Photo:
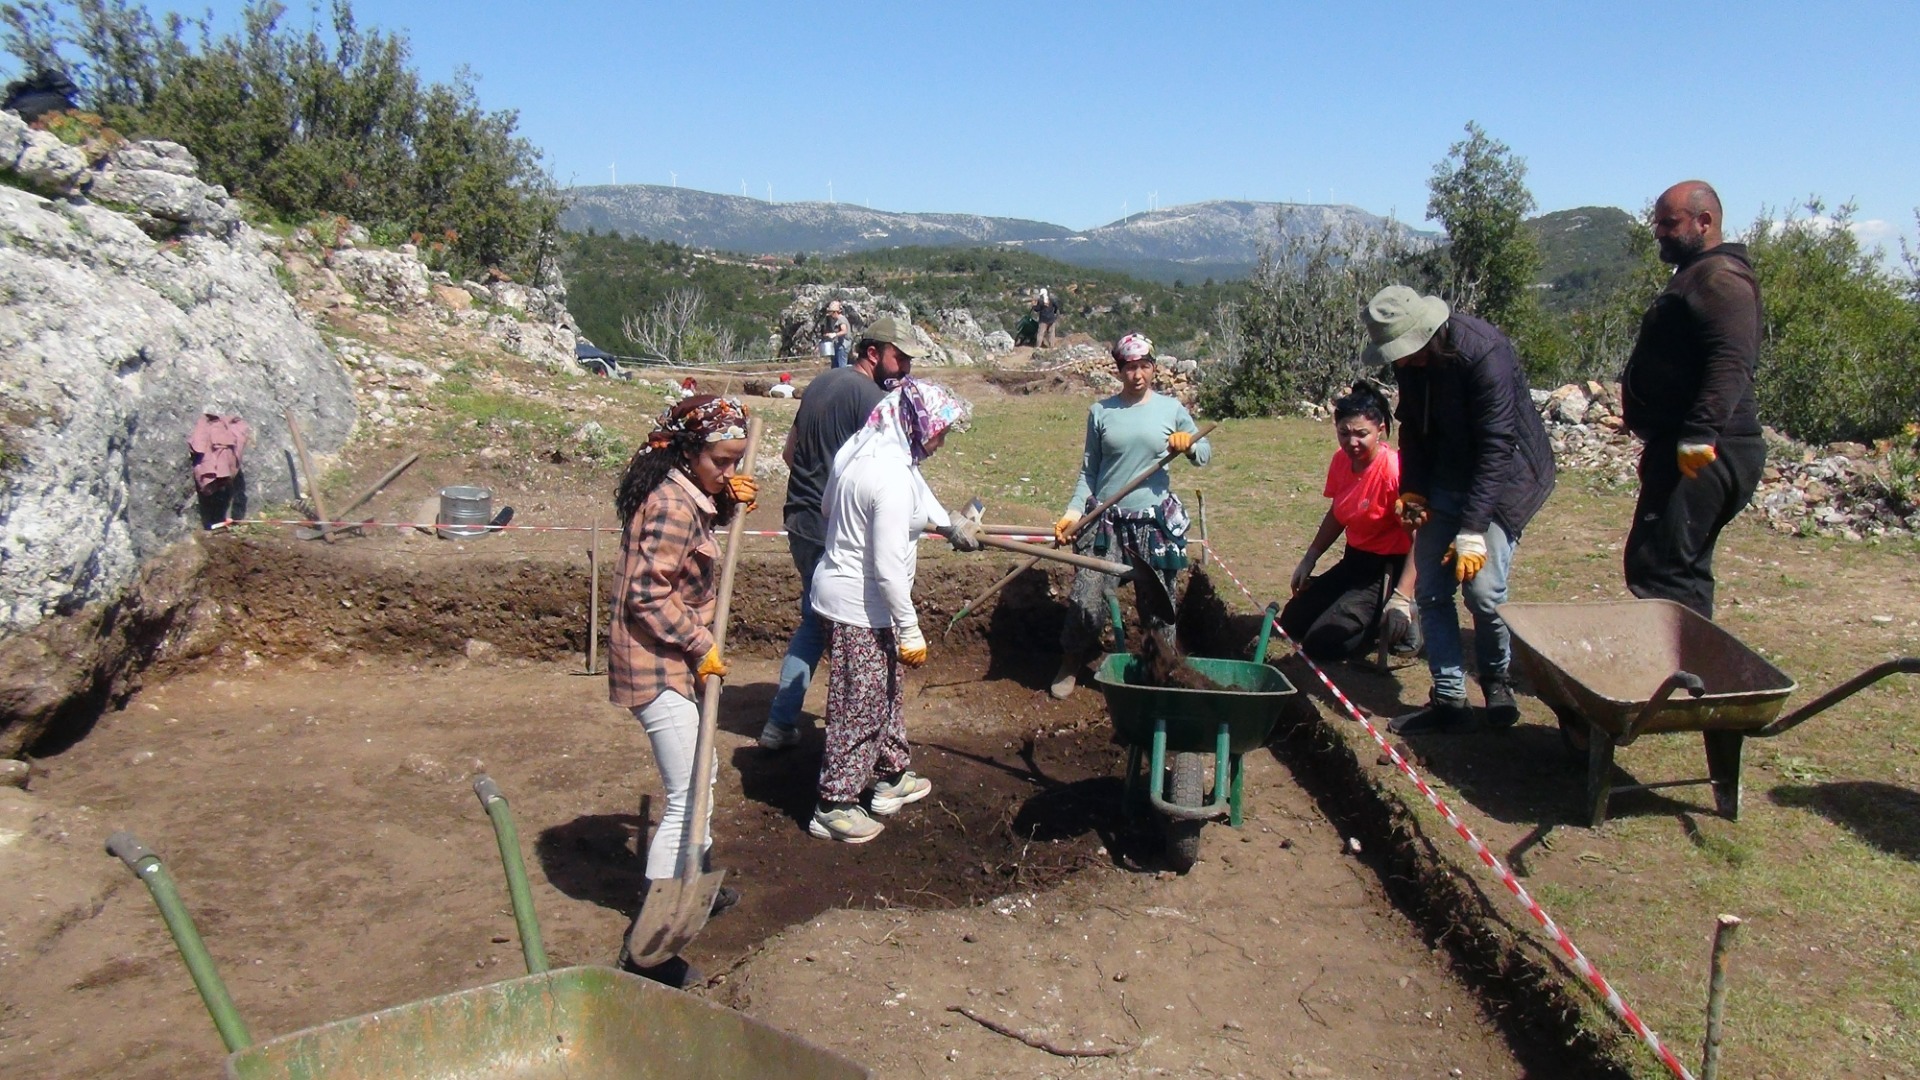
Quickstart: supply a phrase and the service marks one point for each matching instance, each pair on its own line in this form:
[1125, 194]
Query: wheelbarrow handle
[1906, 665]
[1679, 680]
[507, 838]
[206, 977]
[1267, 620]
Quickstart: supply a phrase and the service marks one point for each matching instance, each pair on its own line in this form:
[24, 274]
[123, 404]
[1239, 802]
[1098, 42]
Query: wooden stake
[593, 602]
[312, 477]
[1717, 995]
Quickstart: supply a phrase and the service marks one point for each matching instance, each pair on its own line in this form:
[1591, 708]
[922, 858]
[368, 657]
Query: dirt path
[320, 825]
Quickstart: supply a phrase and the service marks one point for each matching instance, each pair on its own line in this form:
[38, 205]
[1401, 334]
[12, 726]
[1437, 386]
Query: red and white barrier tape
[1578, 959]
[429, 526]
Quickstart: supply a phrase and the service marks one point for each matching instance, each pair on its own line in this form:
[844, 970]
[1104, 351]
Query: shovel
[676, 908]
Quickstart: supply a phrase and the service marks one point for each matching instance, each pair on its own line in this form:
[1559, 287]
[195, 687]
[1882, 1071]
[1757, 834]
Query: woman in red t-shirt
[1341, 613]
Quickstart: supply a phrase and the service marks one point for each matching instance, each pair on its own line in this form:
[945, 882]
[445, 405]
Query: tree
[1491, 259]
[1840, 332]
[1297, 336]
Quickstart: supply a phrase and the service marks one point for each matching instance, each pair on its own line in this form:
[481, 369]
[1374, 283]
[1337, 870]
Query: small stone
[14, 773]
[500, 939]
[140, 757]
[1119, 976]
[1883, 620]
[1353, 845]
[1286, 843]
[969, 938]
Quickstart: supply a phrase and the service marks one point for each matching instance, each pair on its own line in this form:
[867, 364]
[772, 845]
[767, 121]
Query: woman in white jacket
[876, 506]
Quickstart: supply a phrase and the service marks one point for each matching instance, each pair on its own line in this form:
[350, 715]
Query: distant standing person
[1126, 434]
[1475, 466]
[1688, 393]
[837, 335]
[1046, 311]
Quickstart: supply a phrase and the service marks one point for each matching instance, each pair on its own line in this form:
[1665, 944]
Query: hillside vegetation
[610, 277]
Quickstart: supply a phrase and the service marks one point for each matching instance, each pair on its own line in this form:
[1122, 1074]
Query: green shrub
[1838, 359]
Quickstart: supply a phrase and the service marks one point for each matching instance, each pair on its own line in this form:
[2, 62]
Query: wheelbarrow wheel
[1186, 788]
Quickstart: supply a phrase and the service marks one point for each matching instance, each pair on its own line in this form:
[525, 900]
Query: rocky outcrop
[799, 333]
[136, 299]
[1843, 490]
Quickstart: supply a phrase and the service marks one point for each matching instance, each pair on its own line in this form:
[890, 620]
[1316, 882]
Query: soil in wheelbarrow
[319, 821]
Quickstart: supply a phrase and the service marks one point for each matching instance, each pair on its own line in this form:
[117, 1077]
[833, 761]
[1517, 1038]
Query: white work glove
[964, 535]
[1304, 571]
[912, 645]
[1396, 622]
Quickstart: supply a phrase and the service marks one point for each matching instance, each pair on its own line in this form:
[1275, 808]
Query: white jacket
[876, 507]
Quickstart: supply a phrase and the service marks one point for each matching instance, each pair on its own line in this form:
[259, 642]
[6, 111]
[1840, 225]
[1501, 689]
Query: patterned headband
[702, 418]
[1133, 347]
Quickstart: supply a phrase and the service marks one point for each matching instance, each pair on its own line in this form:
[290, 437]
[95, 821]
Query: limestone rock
[453, 298]
[111, 345]
[392, 279]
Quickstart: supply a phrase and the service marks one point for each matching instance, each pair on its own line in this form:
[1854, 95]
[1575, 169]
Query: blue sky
[1075, 113]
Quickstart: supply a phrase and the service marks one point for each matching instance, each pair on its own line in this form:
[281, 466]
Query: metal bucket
[464, 511]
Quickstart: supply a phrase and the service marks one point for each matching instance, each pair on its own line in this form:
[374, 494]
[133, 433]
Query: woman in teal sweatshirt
[1126, 434]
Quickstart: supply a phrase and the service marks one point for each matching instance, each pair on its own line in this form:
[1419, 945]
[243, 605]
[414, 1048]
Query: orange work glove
[744, 490]
[1695, 456]
[710, 664]
[1063, 531]
[1468, 554]
[1180, 442]
[1412, 510]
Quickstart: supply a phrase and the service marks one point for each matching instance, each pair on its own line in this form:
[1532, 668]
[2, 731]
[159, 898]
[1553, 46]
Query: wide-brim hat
[1400, 322]
[896, 332]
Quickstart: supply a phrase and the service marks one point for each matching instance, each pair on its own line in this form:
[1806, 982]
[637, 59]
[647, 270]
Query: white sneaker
[849, 826]
[1066, 678]
[889, 798]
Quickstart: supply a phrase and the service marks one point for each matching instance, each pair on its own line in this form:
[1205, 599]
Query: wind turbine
[743, 189]
[829, 193]
[614, 172]
[673, 178]
[1153, 199]
[769, 191]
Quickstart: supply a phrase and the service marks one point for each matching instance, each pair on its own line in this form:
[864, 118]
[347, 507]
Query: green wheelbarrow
[1171, 731]
[582, 1023]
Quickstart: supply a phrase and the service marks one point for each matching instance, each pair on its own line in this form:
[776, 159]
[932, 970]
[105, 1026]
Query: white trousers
[672, 724]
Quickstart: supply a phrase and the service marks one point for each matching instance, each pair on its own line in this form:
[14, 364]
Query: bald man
[1688, 393]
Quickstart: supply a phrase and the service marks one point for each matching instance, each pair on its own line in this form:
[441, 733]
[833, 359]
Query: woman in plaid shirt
[677, 489]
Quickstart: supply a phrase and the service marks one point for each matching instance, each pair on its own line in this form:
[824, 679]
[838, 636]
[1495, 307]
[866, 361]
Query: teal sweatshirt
[1123, 441]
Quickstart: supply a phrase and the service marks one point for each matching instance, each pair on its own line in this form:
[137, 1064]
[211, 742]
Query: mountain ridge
[1216, 238]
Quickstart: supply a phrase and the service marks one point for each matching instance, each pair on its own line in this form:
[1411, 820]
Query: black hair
[1367, 399]
[649, 467]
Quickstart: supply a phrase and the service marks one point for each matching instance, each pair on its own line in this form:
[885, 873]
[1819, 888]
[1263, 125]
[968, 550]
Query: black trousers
[1337, 614]
[1677, 521]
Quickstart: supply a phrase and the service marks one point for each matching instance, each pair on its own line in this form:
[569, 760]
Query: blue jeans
[1440, 621]
[809, 640]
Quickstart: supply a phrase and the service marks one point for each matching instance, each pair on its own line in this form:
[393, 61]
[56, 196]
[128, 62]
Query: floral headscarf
[1132, 347]
[905, 421]
[702, 418]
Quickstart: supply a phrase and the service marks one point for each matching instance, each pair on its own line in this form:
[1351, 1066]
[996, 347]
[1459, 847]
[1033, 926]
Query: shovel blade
[672, 915]
[1150, 596]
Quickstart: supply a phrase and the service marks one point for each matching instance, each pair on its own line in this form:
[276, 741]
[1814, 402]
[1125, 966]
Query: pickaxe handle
[1089, 518]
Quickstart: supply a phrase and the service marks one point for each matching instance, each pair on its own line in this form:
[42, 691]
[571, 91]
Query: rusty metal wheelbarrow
[583, 1023]
[1611, 672]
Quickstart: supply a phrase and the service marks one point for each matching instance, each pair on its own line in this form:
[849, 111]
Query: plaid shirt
[667, 595]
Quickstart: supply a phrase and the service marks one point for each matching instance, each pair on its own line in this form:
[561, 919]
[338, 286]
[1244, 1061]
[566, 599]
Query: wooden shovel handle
[702, 779]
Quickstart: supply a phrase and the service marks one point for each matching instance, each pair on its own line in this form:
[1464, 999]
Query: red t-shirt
[1363, 502]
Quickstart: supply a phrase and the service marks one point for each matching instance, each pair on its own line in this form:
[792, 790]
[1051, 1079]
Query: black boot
[1502, 710]
[1439, 716]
